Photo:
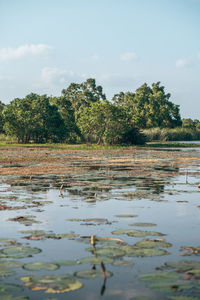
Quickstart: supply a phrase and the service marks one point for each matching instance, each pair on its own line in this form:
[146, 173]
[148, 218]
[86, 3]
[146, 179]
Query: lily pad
[183, 265]
[97, 220]
[10, 288]
[40, 234]
[149, 243]
[190, 251]
[34, 232]
[182, 298]
[95, 260]
[88, 274]
[7, 242]
[102, 240]
[133, 251]
[152, 277]
[66, 263]
[10, 297]
[110, 251]
[52, 283]
[140, 224]
[26, 220]
[18, 252]
[10, 264]
[36, 266]
[142, 298]
[124, 263]
[126, 216]
[137, 233]
[4, 272]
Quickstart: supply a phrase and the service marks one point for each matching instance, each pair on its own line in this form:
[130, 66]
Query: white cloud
[57, 76]
[24, 51]
[128, 56]
[183, 62]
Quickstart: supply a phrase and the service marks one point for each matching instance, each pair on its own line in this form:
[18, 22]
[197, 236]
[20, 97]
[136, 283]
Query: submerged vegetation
[83, 114]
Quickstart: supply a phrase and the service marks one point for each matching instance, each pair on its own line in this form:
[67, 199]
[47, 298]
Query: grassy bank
[8, 142]
[175, 134]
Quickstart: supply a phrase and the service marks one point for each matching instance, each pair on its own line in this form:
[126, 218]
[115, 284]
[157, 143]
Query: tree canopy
[83, 94]
[150, 107]
[33, 118]
[105, 122]
[83, 113]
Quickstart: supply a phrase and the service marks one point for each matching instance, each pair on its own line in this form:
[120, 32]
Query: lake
[112, 224]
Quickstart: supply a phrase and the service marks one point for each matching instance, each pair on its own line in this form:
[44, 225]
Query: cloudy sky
[47, 44]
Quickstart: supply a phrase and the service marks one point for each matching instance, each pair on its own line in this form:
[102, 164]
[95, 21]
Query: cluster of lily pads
[178, 280]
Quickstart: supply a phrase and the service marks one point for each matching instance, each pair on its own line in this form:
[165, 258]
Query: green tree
[83, 94]
[105, 122]
[67, 114]
[2, 105]
[150, 107]
[189, 123]
[33, 118]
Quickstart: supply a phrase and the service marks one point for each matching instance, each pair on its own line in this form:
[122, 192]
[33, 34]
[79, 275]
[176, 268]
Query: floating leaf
[36, 266]
[4, 272]
[66, 263]
[126, 216]
[18, 252]
[182, 298]
[95, 260]
[87, 274]
[140, 224]
[142, 298]
[10, 288]
[10, 264]
[123, 263]
[110, 251]
[7, 242]
[149, 243]
[152, 277]
[10, 297]
[102, 240]
[134, 251]
[52, 284]
[97, 220]
[183, 265]
[191, 251]
[137, 233]
[26, 220]
[40, 234]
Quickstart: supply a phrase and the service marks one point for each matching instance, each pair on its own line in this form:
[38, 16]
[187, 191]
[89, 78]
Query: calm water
[171, 202]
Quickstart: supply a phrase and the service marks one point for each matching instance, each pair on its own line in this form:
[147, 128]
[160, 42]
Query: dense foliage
[104, 122]
[82, 113]
[34, 119]
[150, 107]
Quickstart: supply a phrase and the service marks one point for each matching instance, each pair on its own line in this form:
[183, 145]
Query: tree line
[83, 114]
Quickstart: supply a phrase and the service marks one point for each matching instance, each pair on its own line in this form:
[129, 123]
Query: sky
[47, 44]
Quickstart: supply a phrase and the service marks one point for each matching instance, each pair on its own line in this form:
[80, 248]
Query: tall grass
[175, 134]
[6, 139]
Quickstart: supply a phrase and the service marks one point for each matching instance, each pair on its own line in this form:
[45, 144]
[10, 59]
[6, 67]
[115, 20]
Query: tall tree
[67, 114]
[83, 94]
[150, 107]
[33, 118]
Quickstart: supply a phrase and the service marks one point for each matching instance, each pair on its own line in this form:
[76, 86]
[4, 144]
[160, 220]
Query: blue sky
[47, 44]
